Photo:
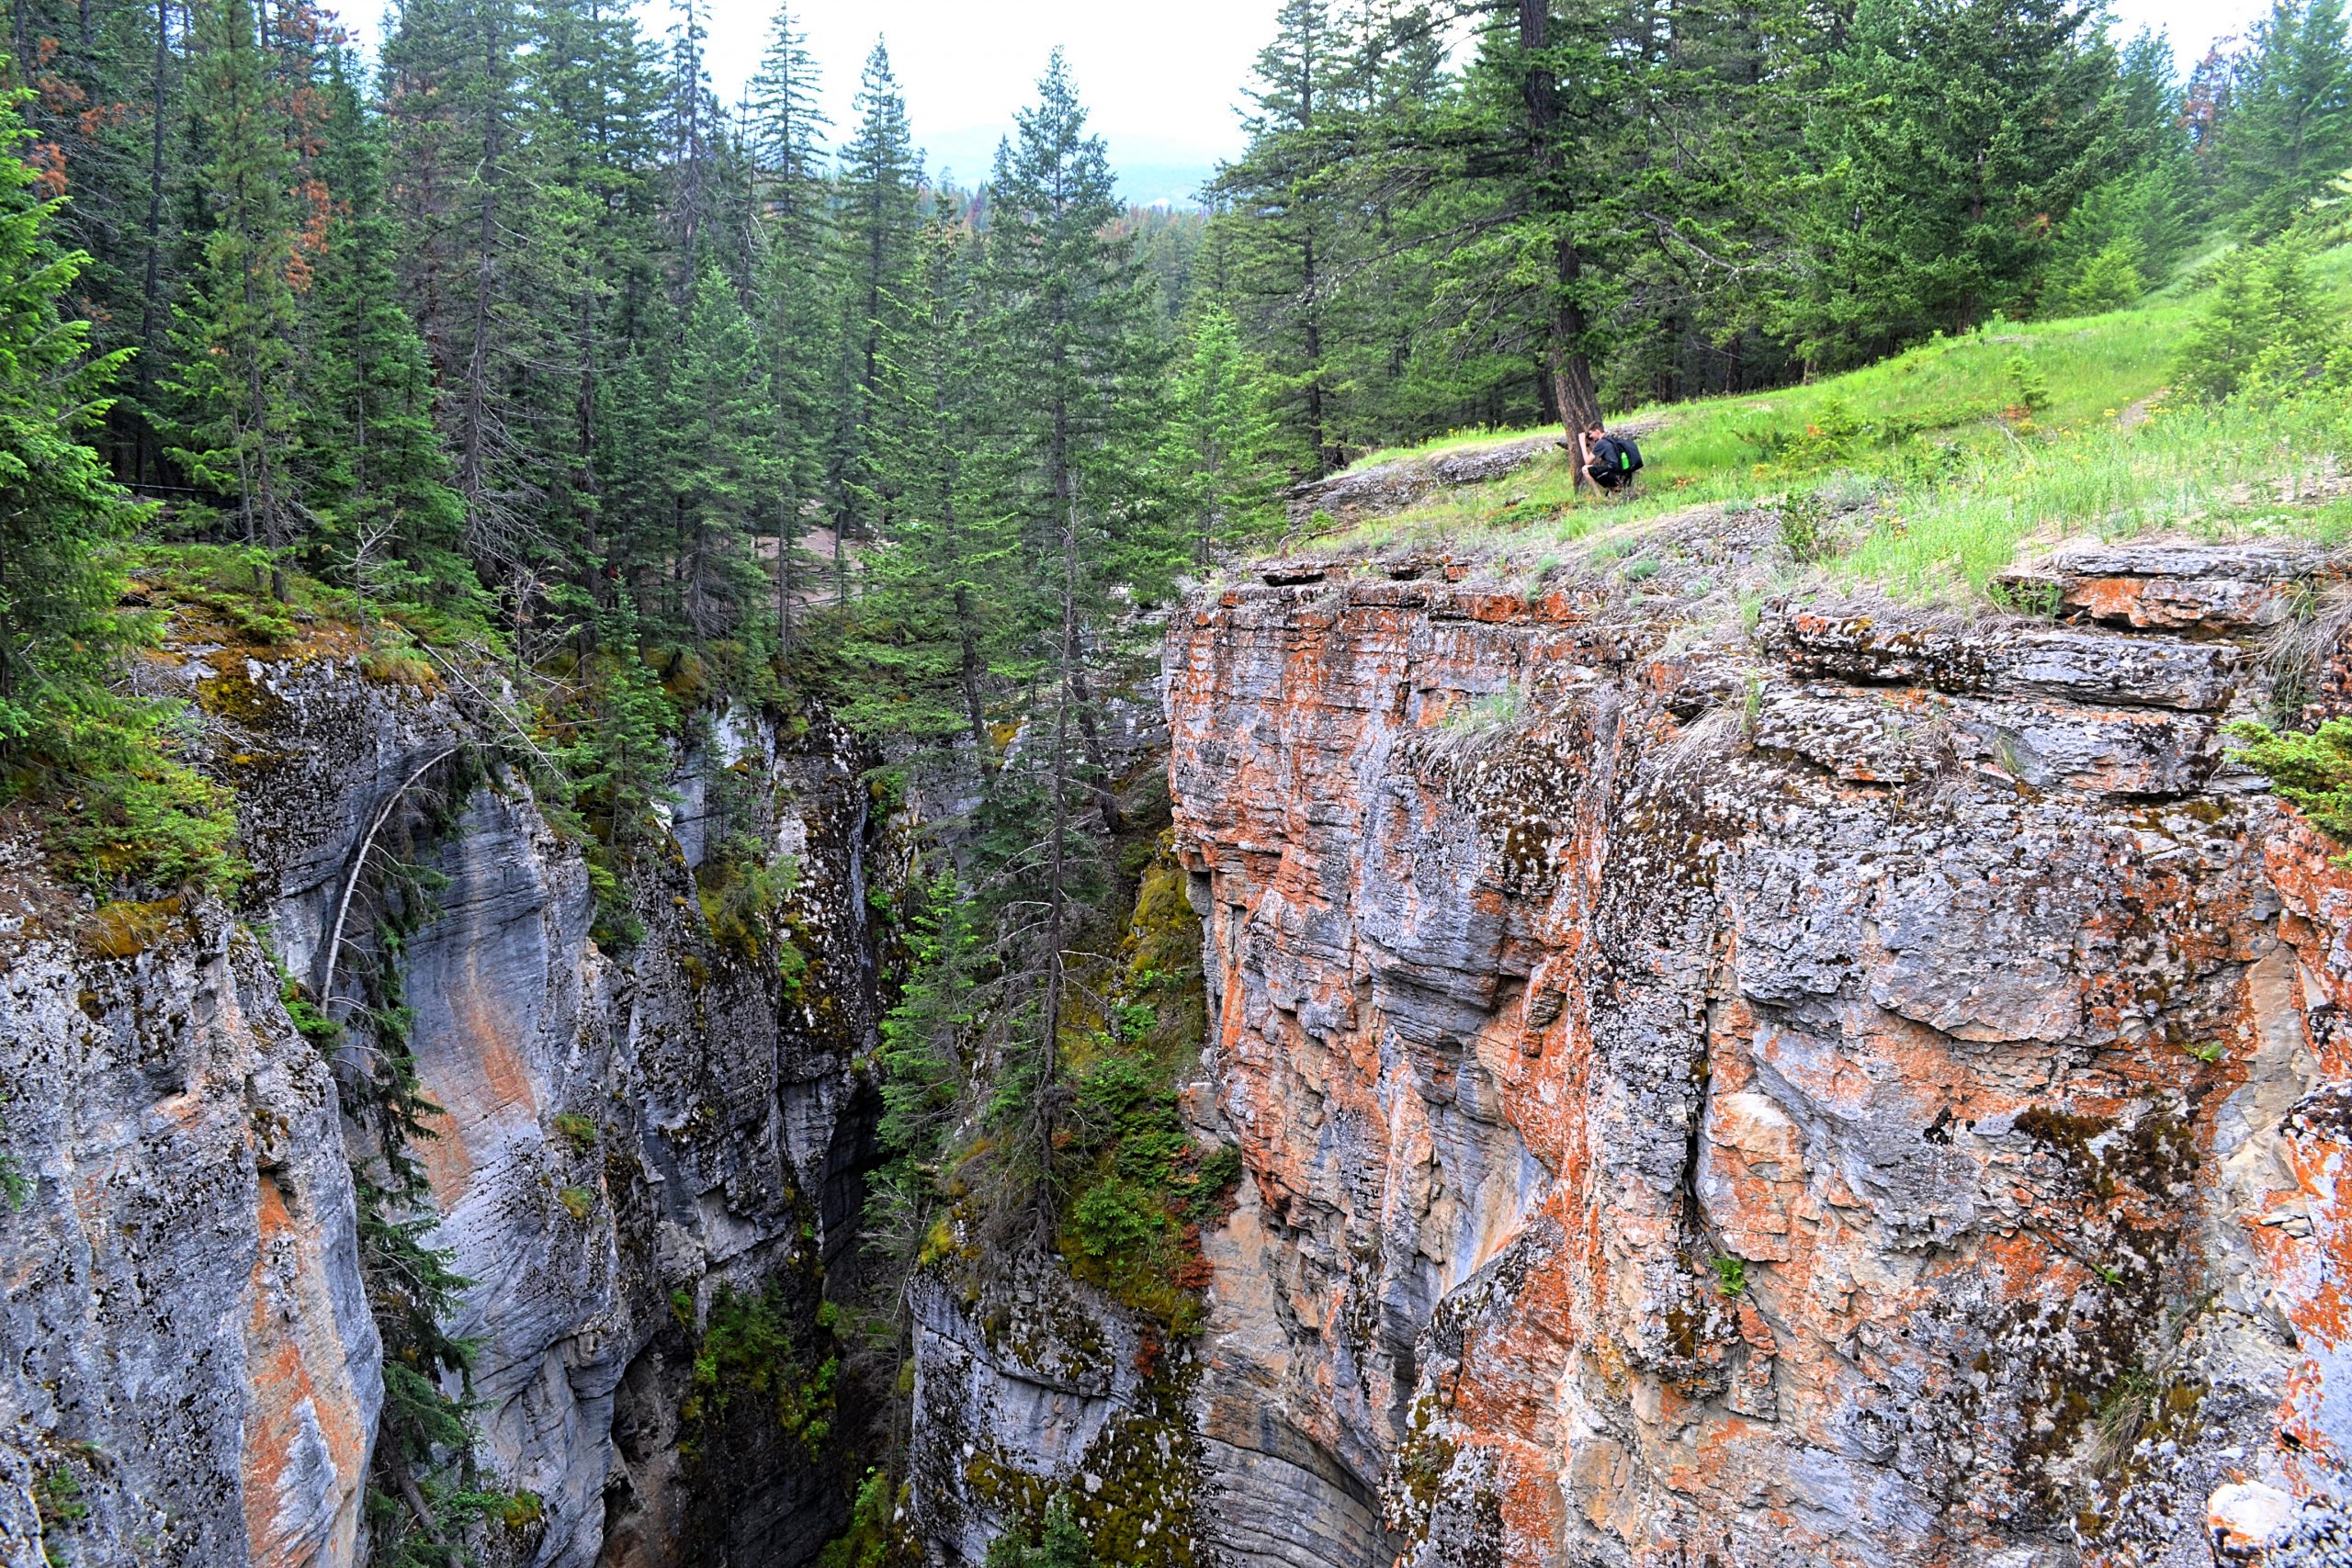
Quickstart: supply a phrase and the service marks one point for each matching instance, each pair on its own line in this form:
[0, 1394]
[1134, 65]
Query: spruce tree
[881, 177]
[2288, 136]
[933, 629]
[717, 417]
[1288, 209]
[62, 519]
[1955, 132]
[235, 333]
[373, 465]
[797, 307]
[452, 95]
[924, 1037]
[591, 101]
[139, 820]
[1221, 435]
[1072, 354]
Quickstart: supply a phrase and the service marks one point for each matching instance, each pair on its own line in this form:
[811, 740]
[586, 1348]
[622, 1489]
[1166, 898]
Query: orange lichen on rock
[1831, 1098]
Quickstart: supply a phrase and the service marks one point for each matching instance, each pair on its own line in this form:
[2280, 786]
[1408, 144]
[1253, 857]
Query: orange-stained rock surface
[1869, 1094]
[192, 1373]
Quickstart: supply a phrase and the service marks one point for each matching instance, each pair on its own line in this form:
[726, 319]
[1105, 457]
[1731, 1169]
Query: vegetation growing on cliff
[2312, 772]
[1059, 1543]
[745, 1361]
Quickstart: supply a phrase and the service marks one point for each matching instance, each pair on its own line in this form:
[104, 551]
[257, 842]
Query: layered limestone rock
[630, 1135]
[192, 1375]
[1867, 1093]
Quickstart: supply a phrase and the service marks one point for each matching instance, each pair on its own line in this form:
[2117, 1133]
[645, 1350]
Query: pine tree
[452, 97]
[694, 138]
[881, 177]
[2265, 335]
[1060, 1543]
[634, 458]
[618, 762]
[104, 117]
[236, 334]
[2287, 138]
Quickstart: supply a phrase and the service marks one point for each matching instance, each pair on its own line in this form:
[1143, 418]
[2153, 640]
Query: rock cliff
[629, 1138]
[1865, 1092]
[1863, 1087]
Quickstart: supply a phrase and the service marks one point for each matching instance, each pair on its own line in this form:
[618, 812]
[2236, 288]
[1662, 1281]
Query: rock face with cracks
[192, 1374]
[1867, 1094]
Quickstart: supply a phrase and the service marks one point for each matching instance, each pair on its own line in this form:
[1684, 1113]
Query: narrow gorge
[633, 1147]
[1866, 1088]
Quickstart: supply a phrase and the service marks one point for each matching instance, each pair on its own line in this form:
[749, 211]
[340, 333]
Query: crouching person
[1608, 462]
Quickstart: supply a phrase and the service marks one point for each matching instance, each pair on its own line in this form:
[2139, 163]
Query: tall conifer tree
[236, 334]
[881, 179]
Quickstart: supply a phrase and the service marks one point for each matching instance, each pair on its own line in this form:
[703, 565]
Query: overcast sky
[1161, 80]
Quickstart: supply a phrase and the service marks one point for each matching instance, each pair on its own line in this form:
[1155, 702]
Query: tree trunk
[974, 713]
[1570, 370]
[474, 425]
[148, 464]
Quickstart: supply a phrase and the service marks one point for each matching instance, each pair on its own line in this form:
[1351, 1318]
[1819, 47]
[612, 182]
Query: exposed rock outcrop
[1382, 488]
[1868, 1100]
[192, 1373]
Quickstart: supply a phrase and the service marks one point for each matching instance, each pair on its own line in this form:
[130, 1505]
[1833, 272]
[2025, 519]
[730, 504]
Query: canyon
[1860, 1089]
[1717, 1080]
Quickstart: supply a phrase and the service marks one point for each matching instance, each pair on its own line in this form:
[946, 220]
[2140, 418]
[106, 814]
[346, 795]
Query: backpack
[1618, 453]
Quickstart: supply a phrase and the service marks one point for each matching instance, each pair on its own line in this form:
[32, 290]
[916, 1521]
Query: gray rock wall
[191, 1371]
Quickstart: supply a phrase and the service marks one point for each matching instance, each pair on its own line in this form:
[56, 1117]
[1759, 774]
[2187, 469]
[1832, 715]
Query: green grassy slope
[1937, 452]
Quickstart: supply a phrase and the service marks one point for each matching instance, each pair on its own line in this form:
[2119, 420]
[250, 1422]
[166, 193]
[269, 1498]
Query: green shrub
[2312, 772]
[577, 1130]
[2028, 388]
[129, 818]
[1060, 1543]
[1803, 525]
[867, 1542]
[1116, 1221]
[2266, 335]
[746, 1350]
[59, 1497]
[1218, 1173]
[2108, 281]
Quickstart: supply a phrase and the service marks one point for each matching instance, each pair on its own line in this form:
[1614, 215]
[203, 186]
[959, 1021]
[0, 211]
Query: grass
[1938, 452]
